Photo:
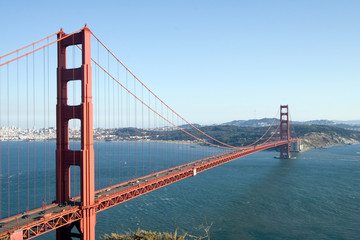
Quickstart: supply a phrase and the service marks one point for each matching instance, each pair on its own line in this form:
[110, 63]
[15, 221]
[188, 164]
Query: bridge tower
[284, 131]
[83, 158]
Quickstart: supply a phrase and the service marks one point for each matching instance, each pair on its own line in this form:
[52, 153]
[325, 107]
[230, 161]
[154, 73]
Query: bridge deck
[42, 220]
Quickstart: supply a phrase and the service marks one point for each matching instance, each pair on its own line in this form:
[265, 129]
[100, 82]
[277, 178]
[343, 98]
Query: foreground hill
[350, 125]
[320, 136]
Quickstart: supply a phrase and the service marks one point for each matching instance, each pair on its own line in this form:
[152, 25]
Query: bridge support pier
[83, 158]
[17, 235]
[284, 131]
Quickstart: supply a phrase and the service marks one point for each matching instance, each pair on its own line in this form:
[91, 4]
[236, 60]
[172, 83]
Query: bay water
[315, 196]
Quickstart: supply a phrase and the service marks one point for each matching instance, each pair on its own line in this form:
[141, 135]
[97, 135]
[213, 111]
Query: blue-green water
[27, 169]
[316, 196]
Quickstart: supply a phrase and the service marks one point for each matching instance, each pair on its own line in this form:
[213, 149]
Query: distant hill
[317, 122]
[351, 122]
[264, 122]
[187, 126]
[253, 122]
[311, 135]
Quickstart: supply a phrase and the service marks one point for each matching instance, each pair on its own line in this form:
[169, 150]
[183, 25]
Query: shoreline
[305, 143]
[328, 146]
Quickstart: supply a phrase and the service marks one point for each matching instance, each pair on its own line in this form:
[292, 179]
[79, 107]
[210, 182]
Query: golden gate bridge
[109, 125]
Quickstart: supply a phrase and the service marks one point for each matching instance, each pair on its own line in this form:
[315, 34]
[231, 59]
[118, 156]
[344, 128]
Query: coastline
[324, 140]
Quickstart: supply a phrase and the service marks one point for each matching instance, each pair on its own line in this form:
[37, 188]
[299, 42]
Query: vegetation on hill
[302, 130]
[242, 136]
[320, 136]
[313, 136]
[237, 136]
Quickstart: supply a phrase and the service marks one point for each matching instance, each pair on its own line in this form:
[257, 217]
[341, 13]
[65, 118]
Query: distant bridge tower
[83, 158]
[284, 131]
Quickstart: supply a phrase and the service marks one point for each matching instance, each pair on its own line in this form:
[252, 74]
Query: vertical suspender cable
[105, 131]
[48, 118]
[34, 118]
[97, 104]
[44, 58]
[204, 150]
[95, 123]
[128, 126]
[164, 148]
[18, 142]
[173, 142]
[109, 118]
[113, 143]
[161, 144]
[118, 125]
[182, 147]
[169, 138]
[8, 138]
[177, 141]
[105, 122]
[170, 141]
[166, 142]
[28, 133]
[149, 136]
[135, 124]
[121, 132]
[156, 131]
[0, 151]
[122, 124]
[143, 131]
[107, 106]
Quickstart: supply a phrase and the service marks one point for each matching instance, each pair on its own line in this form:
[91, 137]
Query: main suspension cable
[263, 134]
[29, 45]
[177, 127]
[232, 147]
[35, 50]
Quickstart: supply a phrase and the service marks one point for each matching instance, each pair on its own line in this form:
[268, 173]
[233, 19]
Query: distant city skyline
[75, 127]
[214, 62]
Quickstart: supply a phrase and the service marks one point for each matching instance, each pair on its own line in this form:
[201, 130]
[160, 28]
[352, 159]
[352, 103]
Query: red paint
[284, 131]
[17, 235]
[83, 158]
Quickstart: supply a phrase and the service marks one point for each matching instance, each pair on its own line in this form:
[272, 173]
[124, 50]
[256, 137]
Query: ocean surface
[315, 196]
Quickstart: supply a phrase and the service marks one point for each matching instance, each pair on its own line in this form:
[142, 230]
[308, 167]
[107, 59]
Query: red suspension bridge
[130, 142]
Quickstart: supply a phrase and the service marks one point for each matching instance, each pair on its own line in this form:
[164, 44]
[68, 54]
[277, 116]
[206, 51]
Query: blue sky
[217, 61]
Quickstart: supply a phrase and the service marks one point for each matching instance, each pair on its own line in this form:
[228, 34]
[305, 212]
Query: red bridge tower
[284, 131]
[83, 158]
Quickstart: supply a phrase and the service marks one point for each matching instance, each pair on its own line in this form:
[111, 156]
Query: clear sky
[217, 61]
